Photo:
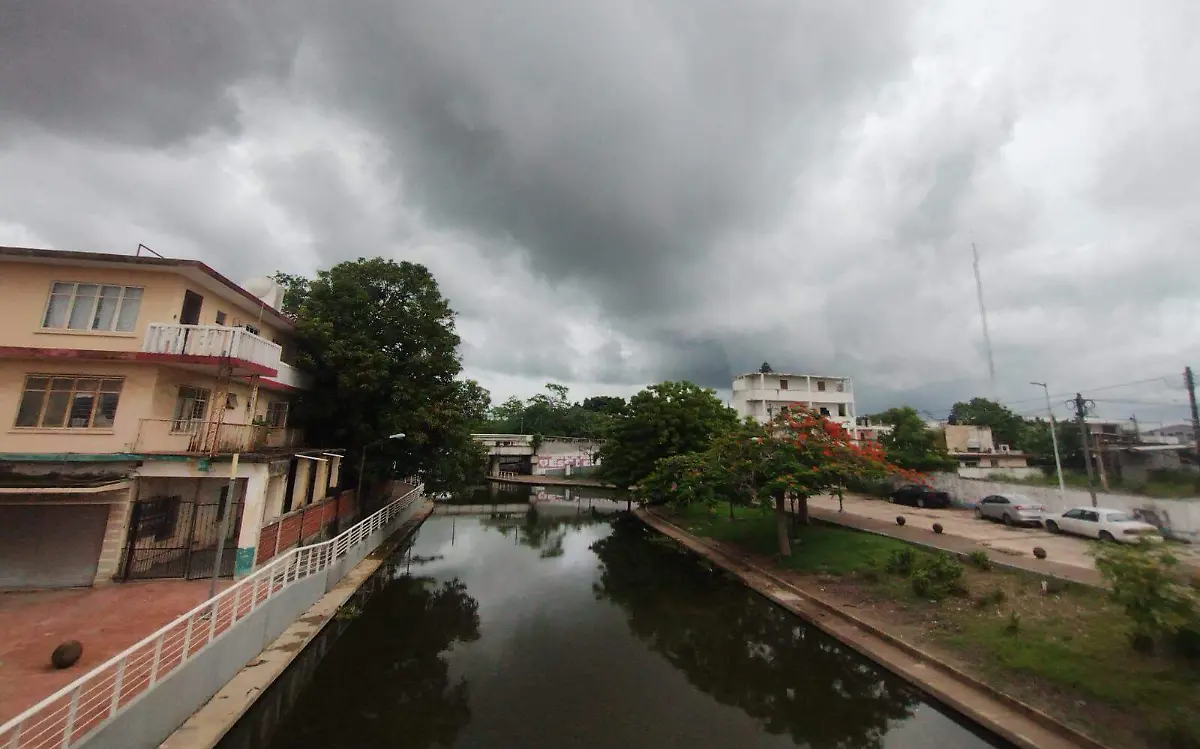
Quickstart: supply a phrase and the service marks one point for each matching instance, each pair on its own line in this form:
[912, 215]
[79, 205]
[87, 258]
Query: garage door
[50, 546]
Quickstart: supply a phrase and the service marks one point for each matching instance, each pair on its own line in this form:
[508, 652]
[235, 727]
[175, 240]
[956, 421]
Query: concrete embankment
[213, 721]
[551, 481]
[1005, 716]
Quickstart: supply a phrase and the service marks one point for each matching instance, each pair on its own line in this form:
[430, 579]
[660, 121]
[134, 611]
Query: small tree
[1143, 580]
[911, 445]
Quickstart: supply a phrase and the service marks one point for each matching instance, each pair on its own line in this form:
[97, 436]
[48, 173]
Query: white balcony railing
[210, 340]
[292, 377]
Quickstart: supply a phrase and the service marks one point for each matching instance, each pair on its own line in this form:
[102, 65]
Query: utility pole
[1081, 409]
[987, 339]
[1190, 380]
[1062, 489]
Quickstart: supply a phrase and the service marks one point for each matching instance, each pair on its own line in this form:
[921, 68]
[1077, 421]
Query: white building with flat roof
[761, 395]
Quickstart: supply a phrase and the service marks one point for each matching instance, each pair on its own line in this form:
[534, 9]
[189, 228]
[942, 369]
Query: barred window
[90, 306]
[69, 402]
[191, 406]
[277, 413]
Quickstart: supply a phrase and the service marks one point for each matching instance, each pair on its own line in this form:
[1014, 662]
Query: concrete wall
[155, 714]
[1016, 471]
[1178, 518]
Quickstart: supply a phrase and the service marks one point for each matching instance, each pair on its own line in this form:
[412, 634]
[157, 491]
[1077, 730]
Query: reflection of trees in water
[385, 682]
[539, 532]
[744, 650]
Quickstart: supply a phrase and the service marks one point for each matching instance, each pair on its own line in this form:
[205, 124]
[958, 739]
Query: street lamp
[1062, 490]
[362, 464]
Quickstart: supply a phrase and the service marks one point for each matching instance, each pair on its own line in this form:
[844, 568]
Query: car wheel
[1008, 519]
[1106, 536]
[978, 513]
[920, 503]
[1052, 526]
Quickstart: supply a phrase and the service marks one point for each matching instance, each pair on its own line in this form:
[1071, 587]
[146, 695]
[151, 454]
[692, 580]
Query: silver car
[1011, 509]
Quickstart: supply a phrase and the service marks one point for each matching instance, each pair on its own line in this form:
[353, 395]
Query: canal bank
[585, 631]
[209, 725]
[1001, 714]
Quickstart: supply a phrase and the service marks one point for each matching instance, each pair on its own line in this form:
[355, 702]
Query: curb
[993, 723]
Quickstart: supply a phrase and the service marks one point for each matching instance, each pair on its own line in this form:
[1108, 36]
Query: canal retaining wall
[157, 712]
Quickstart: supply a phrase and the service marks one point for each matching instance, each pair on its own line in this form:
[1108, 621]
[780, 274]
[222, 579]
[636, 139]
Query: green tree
[295, 292]
[1035, 440]
[1006, 426]
[910, 444]
[667, 419]
[378, 339]
[613, 405]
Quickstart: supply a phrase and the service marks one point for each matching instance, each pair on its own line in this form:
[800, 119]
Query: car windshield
[1119, 517]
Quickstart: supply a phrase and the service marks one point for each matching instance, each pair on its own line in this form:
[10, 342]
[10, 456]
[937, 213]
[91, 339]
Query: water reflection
[745, 651]
[579, 631]
[416, 703]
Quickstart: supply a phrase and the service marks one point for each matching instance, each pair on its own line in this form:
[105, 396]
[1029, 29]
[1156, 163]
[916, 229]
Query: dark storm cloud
[139, 72]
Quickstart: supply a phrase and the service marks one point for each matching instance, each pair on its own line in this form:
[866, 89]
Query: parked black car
[916, 495]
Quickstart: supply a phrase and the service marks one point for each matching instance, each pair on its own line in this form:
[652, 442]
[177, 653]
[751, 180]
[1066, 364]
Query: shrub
[1039, 552]
[1143, 582]
[979, 558]
[937, 576]
[937, 528]
[899, 520]
[1014, 623]
[902, 561]
[994, 597]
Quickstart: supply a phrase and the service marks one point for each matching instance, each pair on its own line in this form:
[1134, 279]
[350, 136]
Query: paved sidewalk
[923, 534]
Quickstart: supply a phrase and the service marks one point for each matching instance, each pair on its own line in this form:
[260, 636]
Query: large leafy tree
[1006, 426]
[910, 444]
[378, 339]
[550, 413]
[667, 419]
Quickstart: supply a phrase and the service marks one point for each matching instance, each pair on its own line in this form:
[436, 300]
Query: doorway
[170, 536]
[190, 312]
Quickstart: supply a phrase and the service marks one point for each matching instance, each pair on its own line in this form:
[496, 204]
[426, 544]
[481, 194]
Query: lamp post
[362, 465]
[1062, 490]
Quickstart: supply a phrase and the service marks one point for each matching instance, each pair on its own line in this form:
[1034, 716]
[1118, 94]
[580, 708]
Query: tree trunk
[731, 507]
[781, 525]
[802, 514]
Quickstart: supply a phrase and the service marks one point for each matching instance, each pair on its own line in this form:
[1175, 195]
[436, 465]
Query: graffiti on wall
[562, 461]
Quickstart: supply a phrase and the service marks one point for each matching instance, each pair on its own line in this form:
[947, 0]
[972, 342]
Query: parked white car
[1011, 509]
[1106, 525]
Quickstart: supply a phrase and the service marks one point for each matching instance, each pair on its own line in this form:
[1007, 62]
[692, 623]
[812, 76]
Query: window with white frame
[191, 406]
[277, 412]
[92, 306]
[69, 402]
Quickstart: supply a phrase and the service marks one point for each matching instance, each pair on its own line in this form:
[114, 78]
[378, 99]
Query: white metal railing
[211, 437]
[292, 377]
[210, 340]
[69, 716]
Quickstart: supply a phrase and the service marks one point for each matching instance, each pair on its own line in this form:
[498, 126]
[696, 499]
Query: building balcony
[290, 378]
[201, 344]
[798, 395]
[182, 436]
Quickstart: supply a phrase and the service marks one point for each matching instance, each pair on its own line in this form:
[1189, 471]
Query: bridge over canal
[544, 456]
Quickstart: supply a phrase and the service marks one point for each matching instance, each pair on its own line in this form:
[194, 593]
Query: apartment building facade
[127, 385]
[762, 395]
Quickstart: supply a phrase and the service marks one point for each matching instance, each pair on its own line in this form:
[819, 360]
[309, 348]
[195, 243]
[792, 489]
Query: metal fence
[71, 715]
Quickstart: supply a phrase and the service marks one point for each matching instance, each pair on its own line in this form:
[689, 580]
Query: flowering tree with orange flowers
[803, 455]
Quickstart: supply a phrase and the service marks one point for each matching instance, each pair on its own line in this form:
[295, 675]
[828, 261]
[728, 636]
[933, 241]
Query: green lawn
[1070, 646]
[815, 548]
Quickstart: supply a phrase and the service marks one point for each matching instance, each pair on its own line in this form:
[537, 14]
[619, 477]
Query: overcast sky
[619, 192]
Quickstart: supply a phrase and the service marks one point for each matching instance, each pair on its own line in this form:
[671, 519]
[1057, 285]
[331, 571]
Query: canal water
[583, 630]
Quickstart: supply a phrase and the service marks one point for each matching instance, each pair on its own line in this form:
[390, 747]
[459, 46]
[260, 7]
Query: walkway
[106, 620]
[1075, 567]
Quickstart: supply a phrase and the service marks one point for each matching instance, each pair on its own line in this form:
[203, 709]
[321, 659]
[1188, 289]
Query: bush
[1143, 582]
[1014, 623]
[903, 561]
[993, 597]
[979, 558]
[937, 576]
[937, 528]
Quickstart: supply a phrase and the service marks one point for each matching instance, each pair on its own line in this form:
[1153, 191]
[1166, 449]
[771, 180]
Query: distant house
[867, 431]
[978, 457]
[762, 395]
[1182, 433]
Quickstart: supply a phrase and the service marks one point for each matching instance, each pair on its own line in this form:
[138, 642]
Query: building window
[90, 306]
[69, 402]
[824, 411]
[191, 406]
[220, 318]
[277, 413]
[842, 410]
[251, 328]
[783, 384]
[821, 385]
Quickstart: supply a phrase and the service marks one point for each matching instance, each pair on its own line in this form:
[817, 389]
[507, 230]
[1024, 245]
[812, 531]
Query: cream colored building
[127, 383]
[762, 395]
[979, 456]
